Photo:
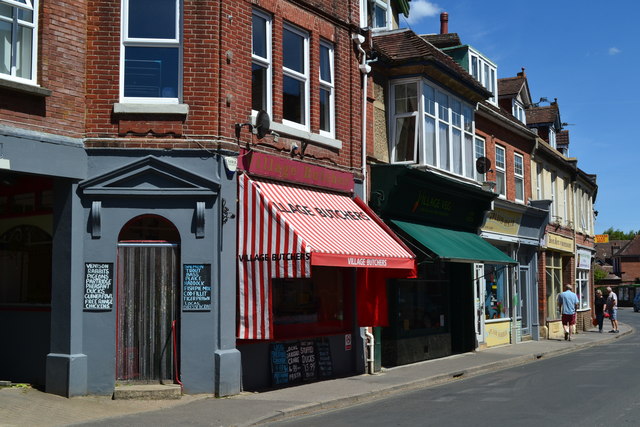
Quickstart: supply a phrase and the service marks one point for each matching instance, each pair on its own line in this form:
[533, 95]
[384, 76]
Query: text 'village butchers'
[321, 212]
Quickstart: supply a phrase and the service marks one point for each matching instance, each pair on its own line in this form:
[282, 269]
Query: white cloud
[614, 51]
[421, 9]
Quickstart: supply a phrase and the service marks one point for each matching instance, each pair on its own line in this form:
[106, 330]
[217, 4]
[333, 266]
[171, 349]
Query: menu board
[308, 360]
[196, 287]
[294, 362]
[323, 356]
[98, 286]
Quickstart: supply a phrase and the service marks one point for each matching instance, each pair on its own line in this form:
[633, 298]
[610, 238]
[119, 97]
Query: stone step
[147, 392]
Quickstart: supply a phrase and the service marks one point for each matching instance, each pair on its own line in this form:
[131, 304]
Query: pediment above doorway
[149, 177]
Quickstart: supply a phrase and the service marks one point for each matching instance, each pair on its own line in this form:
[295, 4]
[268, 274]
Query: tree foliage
[617, 234]
[598, 273]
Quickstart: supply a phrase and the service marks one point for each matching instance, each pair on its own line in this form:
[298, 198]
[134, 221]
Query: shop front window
[319, 305]
[496, 303]
[582, 288]
[421, 306]
[554, 283]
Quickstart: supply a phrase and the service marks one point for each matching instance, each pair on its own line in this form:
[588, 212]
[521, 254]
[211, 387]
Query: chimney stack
[444, 23]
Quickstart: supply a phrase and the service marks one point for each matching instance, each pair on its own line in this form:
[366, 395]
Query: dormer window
[552, 137]
[485, 72]
[518, 111]
[375, 14]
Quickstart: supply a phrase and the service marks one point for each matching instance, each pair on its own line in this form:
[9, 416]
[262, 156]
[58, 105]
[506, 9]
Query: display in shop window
[496, 306]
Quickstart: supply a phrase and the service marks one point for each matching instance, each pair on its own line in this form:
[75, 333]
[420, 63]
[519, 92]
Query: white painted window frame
[501, 169]
[518, 177]
[302, 77]
[421, 113]
[14, 54]
[266, 62]
[127, 41]
[552, 137]
[490, 80]
[330, 87]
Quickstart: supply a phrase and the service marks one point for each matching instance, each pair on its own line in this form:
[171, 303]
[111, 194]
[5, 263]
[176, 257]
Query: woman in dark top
[599, 308]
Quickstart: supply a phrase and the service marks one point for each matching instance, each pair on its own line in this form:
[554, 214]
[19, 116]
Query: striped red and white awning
[285, 229]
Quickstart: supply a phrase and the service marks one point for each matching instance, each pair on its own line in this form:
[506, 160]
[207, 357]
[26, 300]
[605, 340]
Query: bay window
[18, 39]
[501, 187]
[485, 73]
[443, 138]
[518, 172]
[261, 62]
[295, 81]
[151, 51]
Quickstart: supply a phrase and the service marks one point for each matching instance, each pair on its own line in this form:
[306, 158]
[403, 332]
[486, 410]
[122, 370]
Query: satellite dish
[483, 165]
[263, 122]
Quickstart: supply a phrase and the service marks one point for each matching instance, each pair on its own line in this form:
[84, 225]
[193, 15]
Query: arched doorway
[147, 300]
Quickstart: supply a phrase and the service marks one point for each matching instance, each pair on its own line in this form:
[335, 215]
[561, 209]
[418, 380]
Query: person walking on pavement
[568, 302]
[599, 309]
[611, 307]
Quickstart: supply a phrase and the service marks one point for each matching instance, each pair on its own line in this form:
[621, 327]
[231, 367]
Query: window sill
[161, 109]
[284, 130]
[24, 88]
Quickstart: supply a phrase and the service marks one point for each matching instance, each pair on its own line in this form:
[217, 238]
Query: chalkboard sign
[323, 356]
[98, 286]
[196, 287]
[294, 361]
[279, 365]
[298, 361]
[308, 360]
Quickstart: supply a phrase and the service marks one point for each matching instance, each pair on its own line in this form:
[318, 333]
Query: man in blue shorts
[568, 302]
[611, 307]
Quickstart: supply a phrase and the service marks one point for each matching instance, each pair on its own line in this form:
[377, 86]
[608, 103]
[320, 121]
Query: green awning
[454, 246]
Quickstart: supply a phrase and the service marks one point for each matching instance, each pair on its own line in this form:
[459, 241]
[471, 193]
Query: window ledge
[24, 88]
[285, 130]
[174, 109]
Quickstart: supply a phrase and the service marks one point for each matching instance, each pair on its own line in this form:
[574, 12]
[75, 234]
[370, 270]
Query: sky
[585, 54]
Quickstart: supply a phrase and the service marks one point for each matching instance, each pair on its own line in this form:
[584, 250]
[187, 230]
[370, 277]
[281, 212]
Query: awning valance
[454, 246]
[285, 229]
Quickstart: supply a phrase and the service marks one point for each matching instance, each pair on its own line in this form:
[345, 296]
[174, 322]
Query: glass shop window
[319, 305]
[421, 306]
[496, 303]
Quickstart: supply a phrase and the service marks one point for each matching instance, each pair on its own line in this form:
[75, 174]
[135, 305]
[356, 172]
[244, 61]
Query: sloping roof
[401, 47]
[539, 115]
[562, 137]
[605, 251]
[632, 248]
[510, 85]
[442, 40]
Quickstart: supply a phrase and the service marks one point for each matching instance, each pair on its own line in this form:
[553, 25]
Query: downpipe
[370, 351]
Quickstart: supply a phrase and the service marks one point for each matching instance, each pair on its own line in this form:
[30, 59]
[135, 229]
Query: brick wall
[217, 79]
[495, 134]
[60, 68]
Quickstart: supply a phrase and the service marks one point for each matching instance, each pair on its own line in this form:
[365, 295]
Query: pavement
[23, 406]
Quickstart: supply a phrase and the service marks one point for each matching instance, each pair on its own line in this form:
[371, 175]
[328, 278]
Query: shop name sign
[282, 169]
[503, 221]
[427, 203]
[299, 256]
[290, 208]
[558, 242]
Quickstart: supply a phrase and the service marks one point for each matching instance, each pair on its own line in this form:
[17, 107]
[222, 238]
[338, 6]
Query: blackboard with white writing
[196, 287]
[298, 361]
[323, 357]
[98, 286]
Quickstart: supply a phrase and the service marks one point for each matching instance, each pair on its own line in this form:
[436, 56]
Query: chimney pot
[444, 23]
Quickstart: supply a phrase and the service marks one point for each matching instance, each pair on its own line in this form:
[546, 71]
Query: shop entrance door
[147, 295]
[478, 297]
[523, 312]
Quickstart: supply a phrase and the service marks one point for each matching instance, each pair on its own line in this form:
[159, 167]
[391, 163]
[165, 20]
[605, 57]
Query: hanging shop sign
[584, 259]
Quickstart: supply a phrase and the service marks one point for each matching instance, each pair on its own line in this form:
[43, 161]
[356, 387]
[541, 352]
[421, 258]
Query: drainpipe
[364, 70]
[370, 351]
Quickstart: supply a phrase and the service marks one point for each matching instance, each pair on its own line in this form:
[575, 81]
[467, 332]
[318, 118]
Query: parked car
[636, 303]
